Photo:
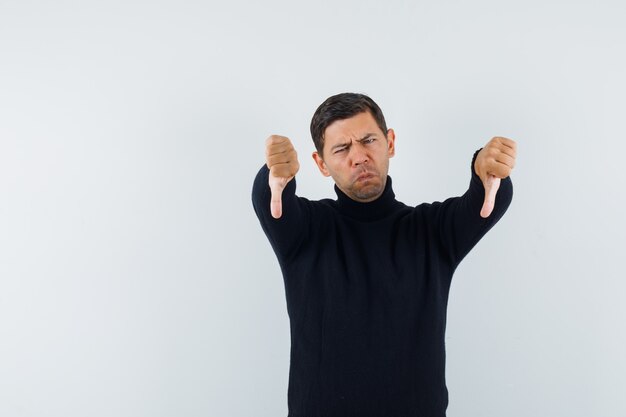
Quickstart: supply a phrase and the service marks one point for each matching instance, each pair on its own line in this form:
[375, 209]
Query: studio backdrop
[135, 278]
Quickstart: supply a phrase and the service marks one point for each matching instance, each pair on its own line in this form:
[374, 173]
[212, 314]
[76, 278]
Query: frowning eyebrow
[367, 135]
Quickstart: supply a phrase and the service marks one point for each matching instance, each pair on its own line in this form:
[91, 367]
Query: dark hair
[343, 106]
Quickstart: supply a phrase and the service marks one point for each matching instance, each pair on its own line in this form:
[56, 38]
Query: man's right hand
[282, 160]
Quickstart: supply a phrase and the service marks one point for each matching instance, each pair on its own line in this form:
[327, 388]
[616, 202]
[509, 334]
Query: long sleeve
[459, 224]
[291, 229]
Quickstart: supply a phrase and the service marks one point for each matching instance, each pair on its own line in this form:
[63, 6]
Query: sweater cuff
[475, 176]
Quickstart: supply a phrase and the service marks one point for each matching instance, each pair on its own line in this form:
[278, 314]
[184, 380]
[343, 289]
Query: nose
[359, 156]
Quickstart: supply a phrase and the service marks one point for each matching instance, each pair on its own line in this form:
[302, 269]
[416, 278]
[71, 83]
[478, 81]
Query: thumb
[491, 188]
[277, 185]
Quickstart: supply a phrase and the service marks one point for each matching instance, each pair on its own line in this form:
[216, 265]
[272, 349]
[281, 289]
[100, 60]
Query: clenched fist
[494, 162]
[282, 160]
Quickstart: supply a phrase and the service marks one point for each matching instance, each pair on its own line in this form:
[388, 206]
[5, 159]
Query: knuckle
[274, 139]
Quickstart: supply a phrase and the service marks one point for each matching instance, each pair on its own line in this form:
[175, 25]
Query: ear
[320, 164]
[391, 142]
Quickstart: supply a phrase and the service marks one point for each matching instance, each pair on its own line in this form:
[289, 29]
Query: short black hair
[343, 106]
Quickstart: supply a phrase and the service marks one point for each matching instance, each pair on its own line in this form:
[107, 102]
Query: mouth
[364, 176]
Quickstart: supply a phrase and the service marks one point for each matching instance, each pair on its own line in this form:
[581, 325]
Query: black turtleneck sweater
[367, 290]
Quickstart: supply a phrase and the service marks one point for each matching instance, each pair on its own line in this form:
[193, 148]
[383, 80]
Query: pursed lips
[364, 175]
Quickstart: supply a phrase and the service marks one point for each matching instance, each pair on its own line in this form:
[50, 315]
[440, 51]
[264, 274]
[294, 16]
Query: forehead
[355, 127]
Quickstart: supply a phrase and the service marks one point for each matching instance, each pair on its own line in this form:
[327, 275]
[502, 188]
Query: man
[367, 277]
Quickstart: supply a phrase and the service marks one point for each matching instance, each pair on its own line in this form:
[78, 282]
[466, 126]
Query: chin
[369, 191]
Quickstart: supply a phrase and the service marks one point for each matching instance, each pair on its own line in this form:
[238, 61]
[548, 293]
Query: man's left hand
[494, 162]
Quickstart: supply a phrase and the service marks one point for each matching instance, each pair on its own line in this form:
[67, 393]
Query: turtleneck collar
[373, 210]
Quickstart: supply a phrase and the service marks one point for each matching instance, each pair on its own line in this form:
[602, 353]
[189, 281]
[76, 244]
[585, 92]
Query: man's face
[356, 154]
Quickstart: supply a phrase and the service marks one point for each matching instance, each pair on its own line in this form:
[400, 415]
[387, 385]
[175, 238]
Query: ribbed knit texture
[367, 289]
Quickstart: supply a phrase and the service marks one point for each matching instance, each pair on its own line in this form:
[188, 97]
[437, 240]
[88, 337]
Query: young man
[367, 277]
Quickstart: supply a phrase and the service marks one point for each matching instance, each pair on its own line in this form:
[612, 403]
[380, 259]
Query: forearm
[460, 224]
[288, 231]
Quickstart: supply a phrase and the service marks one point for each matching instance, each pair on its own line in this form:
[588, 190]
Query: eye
[339, 150]
[370, 140]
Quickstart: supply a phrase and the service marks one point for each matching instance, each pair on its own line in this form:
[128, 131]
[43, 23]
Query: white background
[135, 279]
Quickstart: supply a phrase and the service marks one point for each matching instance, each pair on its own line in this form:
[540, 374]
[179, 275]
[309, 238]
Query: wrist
[474, 160]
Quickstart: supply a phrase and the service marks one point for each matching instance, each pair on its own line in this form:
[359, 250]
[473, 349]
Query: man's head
[353, 144]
